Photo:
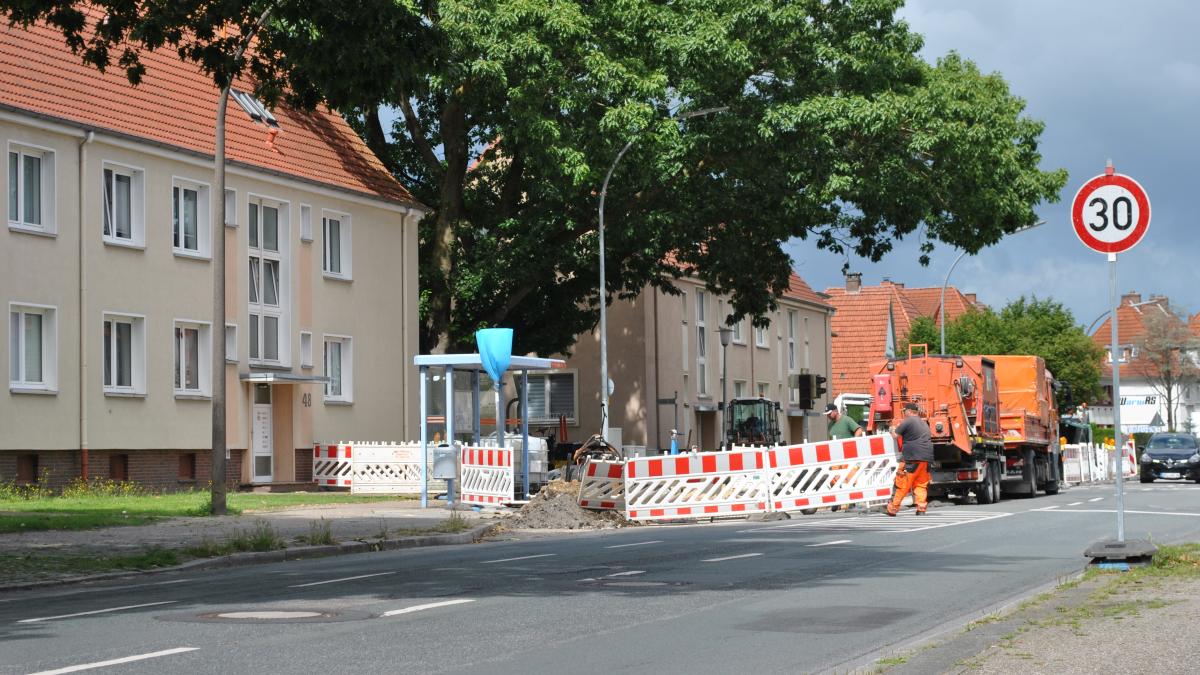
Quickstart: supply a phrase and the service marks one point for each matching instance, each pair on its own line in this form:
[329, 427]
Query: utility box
[445, 463]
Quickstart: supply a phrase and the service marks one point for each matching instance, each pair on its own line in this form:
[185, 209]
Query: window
[552, 395]
[339, 369]
[124, 339]
[701, 345]
[807, 347]
[305, 222]
[123, 205]
[231, 353]
[189, 217]
[791, 343]
[230, 208]
[739, 337]
[30, 188]
[256, 110]
[187, 466]
[118, 467]
[32, 348]
[683, 342]
[335, 233]
[306, 355]
[739, 388]
[764, 390]
[193, 356]
[266, 234]
[27, 469]
[760, 336]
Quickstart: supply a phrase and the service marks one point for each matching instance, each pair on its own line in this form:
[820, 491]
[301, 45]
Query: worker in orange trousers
[913, 474]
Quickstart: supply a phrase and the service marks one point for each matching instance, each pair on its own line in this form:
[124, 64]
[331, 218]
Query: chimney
[853, 282]
[1131, 298]
[971, 298]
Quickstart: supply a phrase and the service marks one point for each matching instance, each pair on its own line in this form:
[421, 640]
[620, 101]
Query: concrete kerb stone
[475, 534]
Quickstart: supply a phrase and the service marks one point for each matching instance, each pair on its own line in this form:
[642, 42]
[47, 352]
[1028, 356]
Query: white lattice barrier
[332, 464]
[602, 485]
[1074, 463]
[812, 475]
[487, 475]
[390, 468]
[696, 485]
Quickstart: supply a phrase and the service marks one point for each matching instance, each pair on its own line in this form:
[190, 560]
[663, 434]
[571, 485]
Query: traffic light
[806, 386]
[819, 387]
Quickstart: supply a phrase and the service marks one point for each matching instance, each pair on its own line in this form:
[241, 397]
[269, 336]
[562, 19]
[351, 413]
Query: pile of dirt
[555, 507]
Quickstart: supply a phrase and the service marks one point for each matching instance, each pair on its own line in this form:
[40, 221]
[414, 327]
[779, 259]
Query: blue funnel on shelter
[495, 350]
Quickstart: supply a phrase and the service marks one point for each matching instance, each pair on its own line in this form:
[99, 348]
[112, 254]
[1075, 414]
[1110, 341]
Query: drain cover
[267, 615]
[636, 584]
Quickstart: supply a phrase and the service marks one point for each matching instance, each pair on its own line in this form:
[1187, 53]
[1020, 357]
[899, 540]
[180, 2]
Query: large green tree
[510, 112]
[1043, 328]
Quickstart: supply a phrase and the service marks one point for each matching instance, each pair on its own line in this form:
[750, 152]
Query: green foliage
[320, 532]
[36, 564]
[1043, 328]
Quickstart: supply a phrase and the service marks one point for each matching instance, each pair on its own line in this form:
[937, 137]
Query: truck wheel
[984, 494]
[997, 467]
[1030, 476]
[1055, 482]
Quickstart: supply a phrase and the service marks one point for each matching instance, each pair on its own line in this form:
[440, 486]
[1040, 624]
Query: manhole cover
[268, 615]
[636, 584]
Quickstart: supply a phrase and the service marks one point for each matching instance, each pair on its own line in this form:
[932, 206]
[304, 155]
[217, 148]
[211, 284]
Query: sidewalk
[373, 523]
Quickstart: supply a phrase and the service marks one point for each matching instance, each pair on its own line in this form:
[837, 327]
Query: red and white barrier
[487, 475]
[333, 464]
[852, 471]
[602, 485]
[697, 485]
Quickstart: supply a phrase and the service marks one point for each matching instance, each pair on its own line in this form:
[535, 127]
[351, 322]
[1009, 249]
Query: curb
[471, 536]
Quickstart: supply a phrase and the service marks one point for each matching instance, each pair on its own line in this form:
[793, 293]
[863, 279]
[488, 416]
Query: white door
[261, 438]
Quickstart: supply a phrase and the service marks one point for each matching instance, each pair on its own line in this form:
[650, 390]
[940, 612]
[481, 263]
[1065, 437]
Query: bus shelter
[449, 364]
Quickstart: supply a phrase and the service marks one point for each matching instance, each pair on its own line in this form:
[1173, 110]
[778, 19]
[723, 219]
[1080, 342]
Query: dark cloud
[1110, 79]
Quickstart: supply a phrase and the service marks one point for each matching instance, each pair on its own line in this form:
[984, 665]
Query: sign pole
[1116, 395]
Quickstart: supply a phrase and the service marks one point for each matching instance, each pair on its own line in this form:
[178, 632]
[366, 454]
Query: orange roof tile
[1131, 327]
[175, 106]
[928, 302]
[800, 290]
[860, 327]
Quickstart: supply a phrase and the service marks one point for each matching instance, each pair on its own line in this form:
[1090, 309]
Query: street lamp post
[946, 282]
[726, 334]
[604, 387]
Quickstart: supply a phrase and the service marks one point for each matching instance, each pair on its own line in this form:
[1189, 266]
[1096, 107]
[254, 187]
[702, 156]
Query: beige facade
[109, 332]
[655, 353]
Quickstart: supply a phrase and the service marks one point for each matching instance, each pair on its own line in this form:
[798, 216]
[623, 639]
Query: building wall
[653, 355]
[377, 308]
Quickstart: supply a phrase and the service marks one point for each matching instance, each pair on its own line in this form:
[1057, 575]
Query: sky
[1111, 80]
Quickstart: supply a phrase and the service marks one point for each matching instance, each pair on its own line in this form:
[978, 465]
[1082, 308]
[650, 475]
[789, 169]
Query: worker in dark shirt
[916, 455]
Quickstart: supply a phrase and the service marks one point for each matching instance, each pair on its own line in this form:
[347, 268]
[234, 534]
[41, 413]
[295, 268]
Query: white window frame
[259, 310]
[49, 349]
[203, 359]
[137, 205]
[345, 246]
[763, 390]
[306, 232]
[543, 417]
[701, 344]
[46, 193]
[306, 349]
[137, 354]
[347, 368]
[739, 389]
[739, 334]
[231, 210]
[231, 343]
[791, 340]
[761, 338]
[203, 248]
[683, 343]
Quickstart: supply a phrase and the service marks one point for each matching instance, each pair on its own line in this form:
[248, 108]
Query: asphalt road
[816, 593]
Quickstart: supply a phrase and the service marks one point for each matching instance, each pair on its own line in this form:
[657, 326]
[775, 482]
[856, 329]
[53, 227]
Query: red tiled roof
[175, 105]
[800, 290]
[928, 302]
[1131, 327]
[1194, 324]
[860, 331]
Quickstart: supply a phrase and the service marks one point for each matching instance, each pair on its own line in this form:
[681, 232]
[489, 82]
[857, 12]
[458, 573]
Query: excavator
[751, 421]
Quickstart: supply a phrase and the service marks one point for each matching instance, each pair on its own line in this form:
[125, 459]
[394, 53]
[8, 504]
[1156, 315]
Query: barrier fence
[332, 464]
[372, 467]
[602, 485]
[836, 473]
[487, 475]
[697, 485]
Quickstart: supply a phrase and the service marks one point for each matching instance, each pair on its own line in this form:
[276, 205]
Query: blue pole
[424, 405]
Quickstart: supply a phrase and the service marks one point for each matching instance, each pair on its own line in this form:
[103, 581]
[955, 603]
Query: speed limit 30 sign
[1111, 213]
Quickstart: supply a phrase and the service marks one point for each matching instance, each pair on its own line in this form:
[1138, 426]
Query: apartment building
[665, 360]
[107, 276]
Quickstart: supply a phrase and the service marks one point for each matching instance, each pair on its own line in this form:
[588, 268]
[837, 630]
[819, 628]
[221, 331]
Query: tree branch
[377, 139]
[413, 124]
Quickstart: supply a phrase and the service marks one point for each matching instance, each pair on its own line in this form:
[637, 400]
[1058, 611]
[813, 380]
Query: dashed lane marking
[878, 522]
[524, 557]
[732, 557]
[96, 611]
[334, 581]
[830, 543]
[115, 662]
[1096, 499]
[1074, 504]
[636, 543]
[431, 605]
[1142, 513]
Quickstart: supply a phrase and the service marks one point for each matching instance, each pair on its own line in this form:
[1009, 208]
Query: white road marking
[114, 662]
[1143, 513]
[830, 543]
[638, 543]
[881, 523]
[1096, 499]
[174, 581]
[1048, 508]
[524, 557]
[334, 581]
[432, 605]
[732, 557]
[1074, 504]
[626, 574]
[95, 611]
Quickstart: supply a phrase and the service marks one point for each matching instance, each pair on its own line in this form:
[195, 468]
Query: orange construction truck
[991, 418]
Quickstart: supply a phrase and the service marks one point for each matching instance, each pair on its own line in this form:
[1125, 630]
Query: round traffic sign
[1111, 213]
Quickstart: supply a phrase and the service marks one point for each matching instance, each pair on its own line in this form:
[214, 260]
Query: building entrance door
[262, 441]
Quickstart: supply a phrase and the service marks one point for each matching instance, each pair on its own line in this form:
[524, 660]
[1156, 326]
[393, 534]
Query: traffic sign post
[1111, 214]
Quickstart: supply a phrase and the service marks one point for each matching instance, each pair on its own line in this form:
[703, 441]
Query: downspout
[657, 385]
[84, 317]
